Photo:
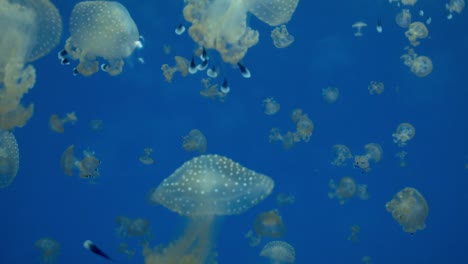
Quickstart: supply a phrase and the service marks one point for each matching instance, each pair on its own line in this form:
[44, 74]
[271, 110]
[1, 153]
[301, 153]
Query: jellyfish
[373, 153]
[358, 26]
[56, 123]
[271, 106]
[281, 37]
[416, 30]
[455, 6]
[88, 167]
[354, 236]
[330, 94]
[49, 249]
[376, 87]
[409, 2]
[95, 124]
[182, 65]
[101, 29]
[124, 249]
[409, 208]
[146, 158]
[254, 240]
[279, 252]
[138, 227]
[30, 29]
[222, 25]
[342, 154]
[9, 158]
[212, 91]
[404, 133]
[269, 224]
[401, 156]
[403, 19]
[304, 126]
[346, 189]
[202, 188]
[283, 199]
[421, 66]
[195, 141]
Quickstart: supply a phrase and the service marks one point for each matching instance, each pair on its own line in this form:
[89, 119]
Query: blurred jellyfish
[204, 187]
[366, 260]
[416, 30]
[182, 65]
[404, 133]
[346, 189]
[88, 166]
[330, 94]
[271, 106]
[281, 37]
[403, 19]
[354, 236]
[56, 123]
[95, 124]
[409, 208]
[455, 6]
[49, 249]
[9, 158]
[283, 199]
[304, 126]
[376, 87]
[30, 29]
[254, 240]
[409, 2]
[212, 91]
[358, 27]
[373, 153]
[195, 141]
[421, 66]
[126, 227]
[146, 158]
[101, 29]
[289, 139]
[401, 156]
[123, 248]
[342, 154]
[279, 252]
[269, 224]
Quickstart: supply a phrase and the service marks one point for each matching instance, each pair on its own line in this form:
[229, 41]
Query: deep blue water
[139, 109]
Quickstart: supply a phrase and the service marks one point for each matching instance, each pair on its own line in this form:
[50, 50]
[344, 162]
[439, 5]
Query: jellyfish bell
[67, 161]
[269, 224]
[9, 158]
[272, 12]
[279, 252]
[358, 26]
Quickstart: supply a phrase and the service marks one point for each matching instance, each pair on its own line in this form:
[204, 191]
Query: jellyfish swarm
[195, 141]
[9, 158]
[281, 37]
[342, 154]
[421, 66]
[416, 30]
[376, 87]
[56, 123]
[29, 30]
[403, 19]
[202, 188]
[346, 189]
[222, 24]
[373, 153]
[49, 249]
[101, 29]
[279, 252]
[139, 227]
[88, 166]
[269, 224]
[404, 133]
[146, 158]
[409, 208]
[330, 94]
[271, 106]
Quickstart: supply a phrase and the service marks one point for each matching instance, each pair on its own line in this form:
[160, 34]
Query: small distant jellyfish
[354, 236]
[288, 140]
[409, 2]
[146, 158]
[373, 153]
[456, 6]
[416, 30]
[279, 252]
[102, 29]
[254, 240]
[376, 87]
[123, 248]
[342, 154]
[304, 126]
[56, 123]
[9, 158]
[403, 19]
[401, 156]
[195, 141]
[330, 94]
[182, 66]
[96, 124]
[88, 167]
[421, 66]
[358, 27]
[346, 189]
[281, 37]
[283, 199]
[49, 249]
[409, 208]
[271, 106]
[404, 133]
[269, 224]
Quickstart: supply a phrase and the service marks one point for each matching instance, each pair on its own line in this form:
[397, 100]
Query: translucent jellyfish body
[146, 158]
[342, 154]
[9, 158]
[304, 126]
[416, 31]
[421, 66]
[354, 236]
[271, 106]
[281, 37]
[409, 2]
[404, 133]
[376, 87]
[195, 141]
[346, 189]
[138, 227]
[56, 123]
[279, 252]
[283, 199]
[269, 224]
[49, 249]
[88, 167]
[358, 26]
[409, 208]
[182, 65]
[102, 29]
[455, 6]
[403, 19]
[330, 94]
[374, 153]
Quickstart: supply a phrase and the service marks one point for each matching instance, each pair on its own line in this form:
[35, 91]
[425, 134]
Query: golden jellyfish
[358, 27]
[330, 94]
[269, 224]
[279, 252]
[354, 236]
[304, 126]
[195, 141]
[409, 208]
[30, 29]
[146, 158]
[182, 66]
[374, 153]
[49, 249]
[342, 154]
[281, 37]
[421, 66]
[56, 123]
[88, 167]
[271, 106]
[404, 133]
[376, 87]
[346, 189]
[222, 24]
[409, 2]
[202, 188]
[9, 158]
[416, 30]
[455, 6]
[102, 29]
[403, 19]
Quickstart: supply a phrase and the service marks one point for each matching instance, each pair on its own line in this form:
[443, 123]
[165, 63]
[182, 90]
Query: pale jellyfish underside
[101, 29]
[9, 158]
